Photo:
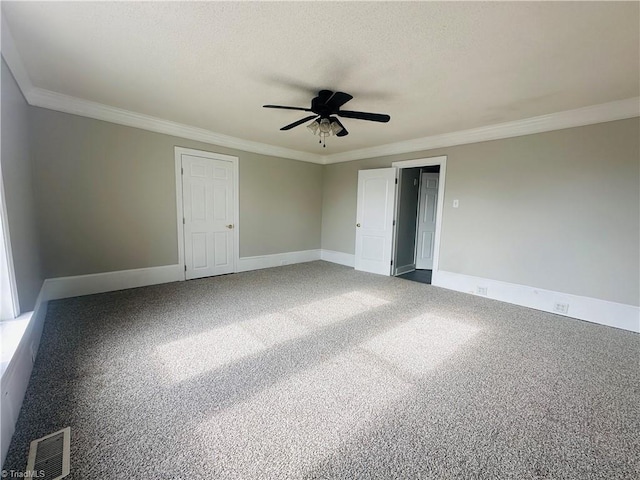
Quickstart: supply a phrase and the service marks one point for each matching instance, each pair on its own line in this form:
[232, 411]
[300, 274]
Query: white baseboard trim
[612, 314]
[341, 258]
[405, 269]
[258, 262]
[65, 287]
[15, 377]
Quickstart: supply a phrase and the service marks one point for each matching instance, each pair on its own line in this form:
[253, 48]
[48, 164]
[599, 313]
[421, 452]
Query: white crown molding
[38, 97]
[605, 112]
[13, 59]
[64, 103]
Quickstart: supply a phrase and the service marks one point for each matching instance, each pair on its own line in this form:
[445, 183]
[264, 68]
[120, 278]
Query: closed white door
[208, 205]
[427, 220]
[374, 220]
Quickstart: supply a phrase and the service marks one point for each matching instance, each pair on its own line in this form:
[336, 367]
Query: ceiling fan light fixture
[324, 127]
[335, 128]
[323, 107]
[314, 127]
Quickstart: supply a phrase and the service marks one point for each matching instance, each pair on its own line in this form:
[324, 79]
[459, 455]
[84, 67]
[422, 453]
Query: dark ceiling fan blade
[319, 103]
[343, 132]
[374, 117]
[299, 122]
[337, 100]
[288, 108]
[324, 95]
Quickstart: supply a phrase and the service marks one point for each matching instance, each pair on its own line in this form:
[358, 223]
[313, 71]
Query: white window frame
[9, 305]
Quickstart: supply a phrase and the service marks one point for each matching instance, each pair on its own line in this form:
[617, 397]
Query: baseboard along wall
[258, 262]
[16, 376]
[612, 314]
[341, 258]
[603, 312]
[65, 287]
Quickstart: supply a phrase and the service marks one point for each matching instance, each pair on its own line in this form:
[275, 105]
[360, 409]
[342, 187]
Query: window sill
[11, 333]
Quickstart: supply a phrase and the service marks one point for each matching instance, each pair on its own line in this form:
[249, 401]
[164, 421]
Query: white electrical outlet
[482, 291]
[456, 203]
[561, 308]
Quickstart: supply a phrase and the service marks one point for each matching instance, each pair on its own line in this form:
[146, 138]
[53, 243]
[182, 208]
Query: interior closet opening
[416, 223]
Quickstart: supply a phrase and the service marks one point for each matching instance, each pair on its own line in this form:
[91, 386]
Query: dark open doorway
[416, 223]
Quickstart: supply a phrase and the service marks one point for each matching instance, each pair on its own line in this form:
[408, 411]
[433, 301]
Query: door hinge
[396, 181]
[181, 171]
[392, 263]
[183, 222]
[394, 223]
[185, 268]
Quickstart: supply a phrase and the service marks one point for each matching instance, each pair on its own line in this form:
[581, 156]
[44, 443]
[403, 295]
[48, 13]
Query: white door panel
[427, 214]
[207, 189]
[374, 220]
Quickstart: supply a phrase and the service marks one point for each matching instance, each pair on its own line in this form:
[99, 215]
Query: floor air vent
[49, 456]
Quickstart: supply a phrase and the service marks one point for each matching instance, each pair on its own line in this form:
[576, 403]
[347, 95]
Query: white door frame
[428, 162]
[179, 151]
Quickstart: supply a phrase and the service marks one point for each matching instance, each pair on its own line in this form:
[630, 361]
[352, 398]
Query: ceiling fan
[324, 108]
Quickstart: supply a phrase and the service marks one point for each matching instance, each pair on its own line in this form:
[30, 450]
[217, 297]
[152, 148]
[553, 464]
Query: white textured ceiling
[434, 67]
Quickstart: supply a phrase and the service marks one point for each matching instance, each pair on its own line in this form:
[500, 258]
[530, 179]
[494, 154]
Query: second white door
[427, 220]
[374, 217]
[208, 204]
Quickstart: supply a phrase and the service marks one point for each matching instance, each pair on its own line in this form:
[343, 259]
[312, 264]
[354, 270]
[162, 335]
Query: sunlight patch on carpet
[200, 353]
[294, 424]
[420, 344]
[338, 308]
[274, 328]
[197, 354]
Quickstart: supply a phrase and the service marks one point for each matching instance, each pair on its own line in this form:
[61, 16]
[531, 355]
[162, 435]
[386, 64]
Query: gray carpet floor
[318, 371]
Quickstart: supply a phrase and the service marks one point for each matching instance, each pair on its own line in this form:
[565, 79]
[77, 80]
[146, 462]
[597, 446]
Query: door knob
[357, 224]
[229, 226]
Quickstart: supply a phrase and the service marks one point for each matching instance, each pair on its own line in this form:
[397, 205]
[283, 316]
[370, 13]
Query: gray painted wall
[106, 197]
[557, 210]
[19, 192]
